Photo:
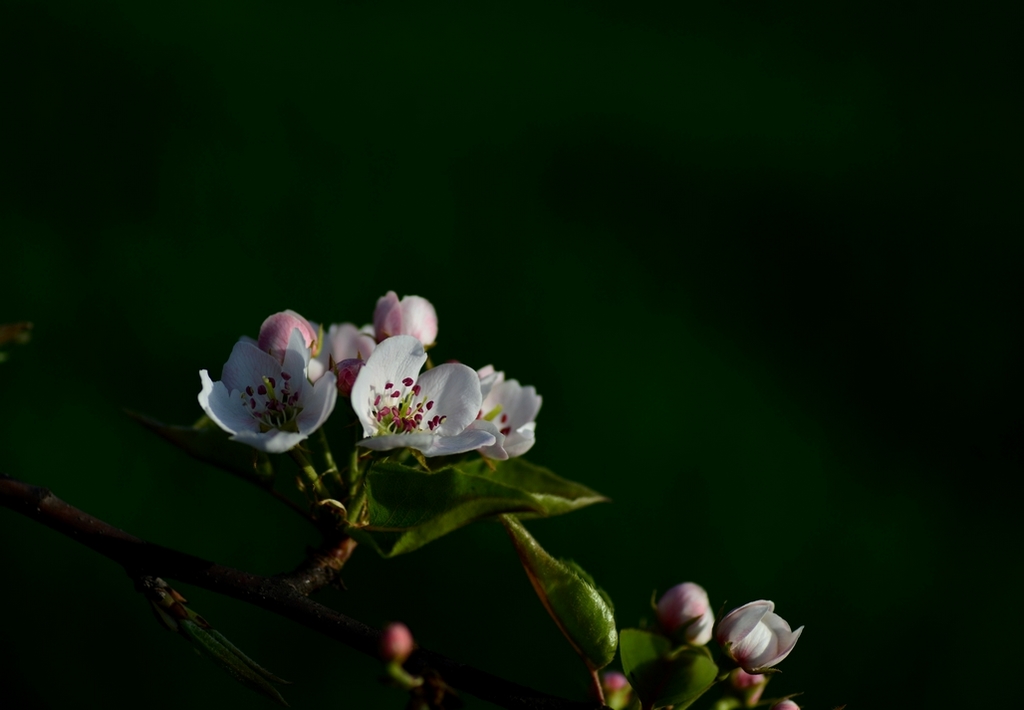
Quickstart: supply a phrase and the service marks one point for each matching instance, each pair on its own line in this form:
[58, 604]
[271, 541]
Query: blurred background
[761, 260]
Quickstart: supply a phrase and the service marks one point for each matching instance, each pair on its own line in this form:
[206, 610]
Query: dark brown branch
[284, 594]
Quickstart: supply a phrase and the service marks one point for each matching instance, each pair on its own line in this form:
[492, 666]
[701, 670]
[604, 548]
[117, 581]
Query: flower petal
[393, 360]
[387, 316]
[455, 389]
[522, 403]
[317, 404]
[419, 318]
[495, 450]
[739, 622]
[520, 441]
[468, 440]
[296, 359]
[272, 442]
[386, 442]
[224, 408]
[248, 365]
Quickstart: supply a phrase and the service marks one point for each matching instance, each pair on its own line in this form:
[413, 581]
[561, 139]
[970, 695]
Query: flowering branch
[286, 595]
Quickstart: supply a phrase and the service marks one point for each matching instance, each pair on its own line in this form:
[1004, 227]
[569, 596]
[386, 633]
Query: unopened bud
[748, 686]
[347, 371]
[396, 643]
[277, 329]
[413, 315]
[786, 704]
[617, 691]
[685, 608]
[756, 637]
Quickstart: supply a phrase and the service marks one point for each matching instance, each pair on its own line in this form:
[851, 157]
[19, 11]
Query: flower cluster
[278, 389]
[753, 635]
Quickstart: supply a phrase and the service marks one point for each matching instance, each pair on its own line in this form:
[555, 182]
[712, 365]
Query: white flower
[398, 407]
[756, 637]
[511, 409]
[413, 315]
[266, 403]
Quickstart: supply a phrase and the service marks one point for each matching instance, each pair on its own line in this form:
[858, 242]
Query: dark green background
[762, 261]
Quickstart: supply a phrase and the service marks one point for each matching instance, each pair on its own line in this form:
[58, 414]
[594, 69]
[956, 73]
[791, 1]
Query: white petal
[520, 441]
[273, 442]
[393, 360]
[455, 389]
[248, 365]
[416, 440]
[317, 404]
[522, 404]
[468, 440]
[223, 407]
[296, 358]
[489, 379]
[495, 450]
[742, 620]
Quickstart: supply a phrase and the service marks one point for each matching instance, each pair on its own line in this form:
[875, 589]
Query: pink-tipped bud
[347, 371]
[277, 330]
[785, 705]
[685, 608]
[413, 315]
[613, 680]
[748, 686]
[617, 692]
[396, 643]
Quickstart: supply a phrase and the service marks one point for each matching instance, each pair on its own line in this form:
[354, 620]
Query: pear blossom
[431, 412]
[786, 704]
[342, 341]
[265, 402]
[413, 315]
[685, 608]
[756, 637]
[508, 411]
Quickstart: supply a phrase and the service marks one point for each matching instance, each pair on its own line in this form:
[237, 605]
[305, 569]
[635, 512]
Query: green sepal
[661, 676]
[246, 660]
[582, 612]
[406, 508]
[225, 657]
[209, 443]
[556, 495]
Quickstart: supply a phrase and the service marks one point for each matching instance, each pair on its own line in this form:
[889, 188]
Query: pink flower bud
[412, 315]
[748, 686]
[613, 680]
[756, 637]
[277, 329]
[347, 371]
[396, 643]
[785, 705]
[685, 608]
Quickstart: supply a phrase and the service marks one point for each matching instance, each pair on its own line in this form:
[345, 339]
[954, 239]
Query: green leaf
[235, 664]
[582, 611]
[555, 494]
[407, 508]
[209, 443]
[661, 676]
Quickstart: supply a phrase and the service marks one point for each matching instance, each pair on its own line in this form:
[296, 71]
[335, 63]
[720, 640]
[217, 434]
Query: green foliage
[661, 676]
[408, 507]
[210, 444]
[582, 611]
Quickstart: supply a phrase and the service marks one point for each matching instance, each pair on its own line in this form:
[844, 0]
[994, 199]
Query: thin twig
[277, 594]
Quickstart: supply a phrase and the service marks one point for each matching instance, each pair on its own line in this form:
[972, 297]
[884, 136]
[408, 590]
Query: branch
[283, 594]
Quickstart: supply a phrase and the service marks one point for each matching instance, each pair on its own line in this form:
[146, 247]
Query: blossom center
[403, 408]
[273, 404]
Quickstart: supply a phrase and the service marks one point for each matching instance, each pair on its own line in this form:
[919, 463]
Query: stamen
[248, 391]
[261, 389]
[416, 390]
[430, 404]
[408, 381]
[285, 376]
[376, 400]
[389, 385]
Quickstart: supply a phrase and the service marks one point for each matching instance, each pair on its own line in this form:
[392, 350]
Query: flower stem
[311, 475]
[595, 685]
